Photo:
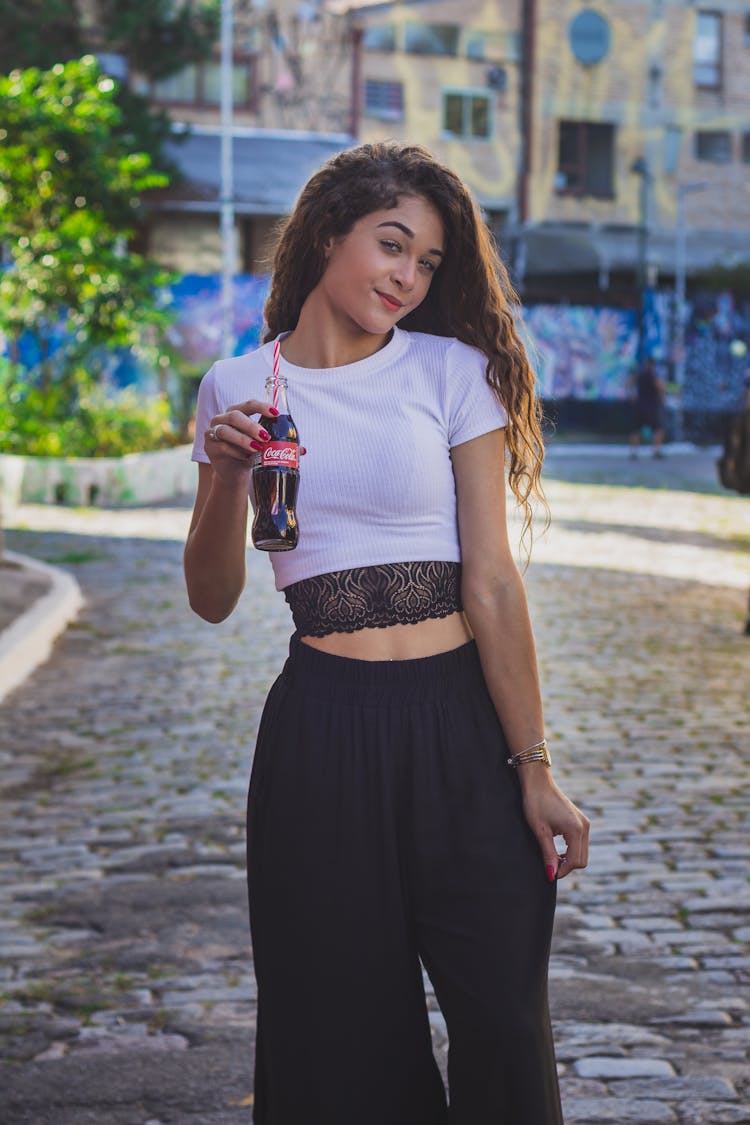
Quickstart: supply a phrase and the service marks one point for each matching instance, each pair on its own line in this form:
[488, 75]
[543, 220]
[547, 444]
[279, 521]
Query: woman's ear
[327, 248]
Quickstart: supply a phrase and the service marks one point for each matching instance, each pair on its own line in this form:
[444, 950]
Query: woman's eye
[396, 246]
[429, 265]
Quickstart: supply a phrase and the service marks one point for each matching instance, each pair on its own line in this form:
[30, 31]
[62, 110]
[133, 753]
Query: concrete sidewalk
[128, 995]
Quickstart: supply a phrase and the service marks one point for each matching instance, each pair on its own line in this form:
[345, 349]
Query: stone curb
[27, 641]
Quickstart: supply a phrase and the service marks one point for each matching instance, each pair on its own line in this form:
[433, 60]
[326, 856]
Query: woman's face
[383, 268]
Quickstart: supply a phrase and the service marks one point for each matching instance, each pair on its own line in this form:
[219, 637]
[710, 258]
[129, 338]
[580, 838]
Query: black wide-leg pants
[384, 826]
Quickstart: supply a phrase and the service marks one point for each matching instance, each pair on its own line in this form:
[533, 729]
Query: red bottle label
[280, 454]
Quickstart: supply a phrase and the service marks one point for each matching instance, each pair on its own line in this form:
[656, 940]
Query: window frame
[240, 60]
[467, 93]
[454, 27]
[719, 83]
[373, 28]
[727, 133]
[581, 167]
[383, 115]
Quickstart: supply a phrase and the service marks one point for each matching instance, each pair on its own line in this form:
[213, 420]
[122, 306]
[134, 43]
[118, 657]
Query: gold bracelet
[539, 752]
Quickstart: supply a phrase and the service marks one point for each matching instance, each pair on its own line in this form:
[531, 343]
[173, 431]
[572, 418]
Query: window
[380, 38]
[745, 148]
[585, 159]
[212, 84]
[707, 54]
[384, 100]
[201, 84]
[180, 87]
[431, 39]
[714, 145]
[672, 147]
[466, 114]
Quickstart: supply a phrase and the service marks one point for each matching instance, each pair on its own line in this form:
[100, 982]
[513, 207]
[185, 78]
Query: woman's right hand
[233, 438]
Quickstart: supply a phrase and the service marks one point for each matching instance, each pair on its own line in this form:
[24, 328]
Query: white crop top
[376, 483]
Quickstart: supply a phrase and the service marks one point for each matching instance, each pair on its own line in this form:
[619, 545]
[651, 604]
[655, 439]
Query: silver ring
[213, 433]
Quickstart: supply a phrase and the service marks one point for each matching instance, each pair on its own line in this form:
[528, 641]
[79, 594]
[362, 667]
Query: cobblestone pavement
[125, 972]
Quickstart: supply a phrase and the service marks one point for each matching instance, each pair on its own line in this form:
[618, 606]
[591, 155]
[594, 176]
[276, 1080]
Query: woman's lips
[391, 303]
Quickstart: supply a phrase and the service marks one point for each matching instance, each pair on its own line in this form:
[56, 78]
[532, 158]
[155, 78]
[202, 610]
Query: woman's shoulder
[449, 349]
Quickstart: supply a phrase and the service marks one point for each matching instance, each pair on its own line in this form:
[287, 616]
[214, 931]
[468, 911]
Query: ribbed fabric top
[376, 484]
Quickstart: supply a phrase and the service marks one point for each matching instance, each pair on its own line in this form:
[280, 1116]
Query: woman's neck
[320, 340]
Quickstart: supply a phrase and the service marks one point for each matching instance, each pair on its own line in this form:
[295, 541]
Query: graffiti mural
[581, 352]
[717, 355]
[578, 352]
[196, 333]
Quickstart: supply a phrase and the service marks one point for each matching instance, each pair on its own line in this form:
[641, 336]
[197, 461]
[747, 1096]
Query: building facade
[293, 105]
[602, 133]
[608, 143]
[640, 133]
[448, 75]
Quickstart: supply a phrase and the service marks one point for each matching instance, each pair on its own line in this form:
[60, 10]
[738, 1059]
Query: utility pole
[526, 119]
[640, 168]
[525, 127]
[227, 183]
[680, 281]
[357, 35]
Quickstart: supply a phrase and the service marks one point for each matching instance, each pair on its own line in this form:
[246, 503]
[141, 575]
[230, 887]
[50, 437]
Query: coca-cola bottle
[276, 477]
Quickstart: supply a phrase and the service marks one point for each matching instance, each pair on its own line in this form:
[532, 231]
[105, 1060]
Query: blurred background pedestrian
[648, 388]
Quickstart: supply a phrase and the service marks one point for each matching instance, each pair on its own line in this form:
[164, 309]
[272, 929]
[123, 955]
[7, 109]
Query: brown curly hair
[470, 297]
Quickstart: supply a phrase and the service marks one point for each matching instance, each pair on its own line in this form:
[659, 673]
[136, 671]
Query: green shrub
[52, 422]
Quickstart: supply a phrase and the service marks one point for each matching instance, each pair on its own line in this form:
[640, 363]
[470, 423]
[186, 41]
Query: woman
[385, 823]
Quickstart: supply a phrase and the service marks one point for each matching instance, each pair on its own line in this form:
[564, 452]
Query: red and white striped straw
[276, 363]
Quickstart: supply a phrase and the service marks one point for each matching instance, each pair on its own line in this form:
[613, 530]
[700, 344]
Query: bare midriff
[397, 642]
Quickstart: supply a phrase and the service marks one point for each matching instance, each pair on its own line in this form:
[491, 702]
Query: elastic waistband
[340, 675]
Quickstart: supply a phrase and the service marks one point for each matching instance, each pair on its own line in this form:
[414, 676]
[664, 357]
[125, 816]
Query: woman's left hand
[549, 813]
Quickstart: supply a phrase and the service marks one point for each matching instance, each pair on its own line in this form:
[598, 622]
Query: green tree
[69, 199]
[159, 37]
[38, 33]
[156, 38]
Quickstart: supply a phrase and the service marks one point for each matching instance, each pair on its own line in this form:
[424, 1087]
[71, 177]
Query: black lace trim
[367, 597]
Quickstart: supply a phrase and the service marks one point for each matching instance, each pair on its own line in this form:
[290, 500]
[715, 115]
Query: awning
[270, 170]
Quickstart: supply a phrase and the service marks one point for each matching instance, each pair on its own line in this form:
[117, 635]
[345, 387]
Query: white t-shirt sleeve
[473, 408]
[208, 406]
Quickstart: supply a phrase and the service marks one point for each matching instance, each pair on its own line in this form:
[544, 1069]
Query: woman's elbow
[483, 593]
[211, 614]
[206, 604]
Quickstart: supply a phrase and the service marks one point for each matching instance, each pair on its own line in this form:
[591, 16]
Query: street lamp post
[228, 254]
[680, 281]
[639, 167]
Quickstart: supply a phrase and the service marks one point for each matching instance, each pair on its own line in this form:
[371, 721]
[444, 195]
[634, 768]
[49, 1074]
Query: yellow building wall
[643, 35]
[187, 243]
[489, 166]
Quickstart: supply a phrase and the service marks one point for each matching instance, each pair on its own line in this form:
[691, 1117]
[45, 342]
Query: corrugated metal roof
[270, 169]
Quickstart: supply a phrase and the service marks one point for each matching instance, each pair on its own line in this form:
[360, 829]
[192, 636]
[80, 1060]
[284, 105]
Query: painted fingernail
[264, 434]
[550, 873]
[255, 445]
[302, 451]
[273, 411]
